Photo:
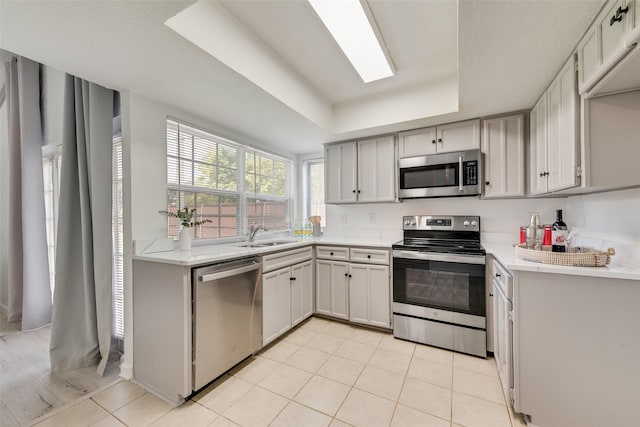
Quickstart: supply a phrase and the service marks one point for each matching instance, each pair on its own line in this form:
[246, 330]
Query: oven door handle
[460, 175]
[464, 259]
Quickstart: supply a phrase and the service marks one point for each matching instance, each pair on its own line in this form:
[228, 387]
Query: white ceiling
[508, 51]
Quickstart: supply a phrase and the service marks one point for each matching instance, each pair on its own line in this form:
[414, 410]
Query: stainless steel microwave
[440, 175]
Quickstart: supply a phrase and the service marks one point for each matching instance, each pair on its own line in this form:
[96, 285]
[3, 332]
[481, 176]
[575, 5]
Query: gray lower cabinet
[332, 288]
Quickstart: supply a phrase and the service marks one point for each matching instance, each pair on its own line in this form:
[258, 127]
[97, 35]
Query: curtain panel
[82, 308]
[29, 290]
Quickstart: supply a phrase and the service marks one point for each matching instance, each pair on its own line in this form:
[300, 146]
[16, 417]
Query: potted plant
[185, 216]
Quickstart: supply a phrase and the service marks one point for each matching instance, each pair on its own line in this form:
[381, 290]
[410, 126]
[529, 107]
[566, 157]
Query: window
[314, 189]
[227, 183]
[51, 166]
[117, 237]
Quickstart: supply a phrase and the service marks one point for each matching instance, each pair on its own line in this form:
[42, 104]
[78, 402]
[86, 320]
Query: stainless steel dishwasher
[227, 317]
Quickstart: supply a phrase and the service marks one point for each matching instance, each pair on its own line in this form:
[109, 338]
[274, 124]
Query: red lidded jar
[546, 240]
[523, 234]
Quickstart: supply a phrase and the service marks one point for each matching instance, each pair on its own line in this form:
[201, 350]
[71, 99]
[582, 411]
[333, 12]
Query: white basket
[576, 257]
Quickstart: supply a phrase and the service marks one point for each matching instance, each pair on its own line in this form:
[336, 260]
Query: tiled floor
[28, 388]
[323, 373]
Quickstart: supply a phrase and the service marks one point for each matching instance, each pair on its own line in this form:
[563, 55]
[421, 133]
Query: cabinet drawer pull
[498, 275]
[331, 254]
[369, 256]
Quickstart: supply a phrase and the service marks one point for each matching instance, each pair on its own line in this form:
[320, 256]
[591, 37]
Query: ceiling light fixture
[350, 26]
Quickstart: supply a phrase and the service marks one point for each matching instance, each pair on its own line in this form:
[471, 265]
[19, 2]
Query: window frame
[306, 182]
[241, 192]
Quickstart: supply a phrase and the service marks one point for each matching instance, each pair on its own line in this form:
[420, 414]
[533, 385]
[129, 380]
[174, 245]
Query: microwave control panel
[470, 172]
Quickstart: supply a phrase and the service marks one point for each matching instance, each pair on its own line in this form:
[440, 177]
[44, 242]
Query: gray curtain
[29, 292]
[82, 306]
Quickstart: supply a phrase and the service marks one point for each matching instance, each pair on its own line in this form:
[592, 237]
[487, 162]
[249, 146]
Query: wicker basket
[576, 257]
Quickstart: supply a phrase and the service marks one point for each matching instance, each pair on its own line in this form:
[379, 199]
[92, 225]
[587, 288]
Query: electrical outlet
[372, 218]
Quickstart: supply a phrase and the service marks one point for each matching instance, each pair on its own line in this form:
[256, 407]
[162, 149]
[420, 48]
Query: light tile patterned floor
[324, 373]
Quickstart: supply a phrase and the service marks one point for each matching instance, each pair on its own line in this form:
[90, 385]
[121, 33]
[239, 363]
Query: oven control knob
[407, 222]
[474, 223]
[413, 222]
[465, 223]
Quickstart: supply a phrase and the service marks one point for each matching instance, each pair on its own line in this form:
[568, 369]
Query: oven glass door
[451, 286]
[432, 176]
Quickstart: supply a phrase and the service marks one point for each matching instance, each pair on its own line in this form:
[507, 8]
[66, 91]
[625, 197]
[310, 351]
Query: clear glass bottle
[534, 232]
[297, 229]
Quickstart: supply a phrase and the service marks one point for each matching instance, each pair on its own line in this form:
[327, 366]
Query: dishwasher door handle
[228, 273]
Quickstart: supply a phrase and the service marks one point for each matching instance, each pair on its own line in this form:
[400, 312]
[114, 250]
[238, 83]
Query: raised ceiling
[508, 51]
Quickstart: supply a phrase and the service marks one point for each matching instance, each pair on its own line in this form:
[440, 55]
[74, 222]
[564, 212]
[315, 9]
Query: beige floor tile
[257, 408]
[325, 343]
[189, 414]
[472, 412]
[300, 336]
[286, 380]
[516, 418]
[6, 418]
[142, 411]
[434, 373]
[409, 417]
[307, 359]
[338, 423]
[434, 354]
[401, 346]
[380, 382]
[256, 370]
[426, 397]
[315, 324]
[322, 394]
[108, 421]
[280, 351]
[476, 364]
[364, 409]
[478, 385]
[297, 415]
[223, 393]
[390, 361]
[366, 336]
[355, 351]
[84, 413]
[222, 422]
[338, 330]
[118, 395]
[342, 370]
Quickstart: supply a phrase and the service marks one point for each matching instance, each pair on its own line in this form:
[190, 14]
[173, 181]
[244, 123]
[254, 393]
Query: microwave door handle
[461, 186]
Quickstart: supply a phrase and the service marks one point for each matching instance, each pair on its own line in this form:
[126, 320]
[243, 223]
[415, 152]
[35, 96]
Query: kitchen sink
[266, 244]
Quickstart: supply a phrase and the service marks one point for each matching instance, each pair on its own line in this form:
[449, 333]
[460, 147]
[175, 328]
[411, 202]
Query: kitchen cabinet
[633, 23]
[503, 327]
[605, 42]
[369, 287]
[332, 288]
[360, 171]
[554, 138]
[458, 136]
[503, 146]
[287, 293]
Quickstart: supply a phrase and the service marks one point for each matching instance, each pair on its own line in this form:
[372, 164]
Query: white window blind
[227, 183]
[117, 239]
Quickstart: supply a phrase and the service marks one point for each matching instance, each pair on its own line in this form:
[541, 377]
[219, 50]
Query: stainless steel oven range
[439, 283]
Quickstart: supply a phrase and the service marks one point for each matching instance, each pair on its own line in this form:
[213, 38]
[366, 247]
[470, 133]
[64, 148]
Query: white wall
[499, 219]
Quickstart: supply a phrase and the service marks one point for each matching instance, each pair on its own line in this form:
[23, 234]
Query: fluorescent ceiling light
[349, 25]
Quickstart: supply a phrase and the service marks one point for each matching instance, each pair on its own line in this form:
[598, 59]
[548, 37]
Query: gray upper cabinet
[439, 139]
[360, 172]
[503, 146]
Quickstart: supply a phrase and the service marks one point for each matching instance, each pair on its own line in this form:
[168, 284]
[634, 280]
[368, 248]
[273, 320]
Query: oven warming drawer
[465, 339]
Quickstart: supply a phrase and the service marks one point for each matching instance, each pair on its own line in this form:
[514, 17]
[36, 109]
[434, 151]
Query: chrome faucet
[253, 230]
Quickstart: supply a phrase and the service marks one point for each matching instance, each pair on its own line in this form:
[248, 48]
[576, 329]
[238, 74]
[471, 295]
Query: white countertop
[200, 255]
[506, 254]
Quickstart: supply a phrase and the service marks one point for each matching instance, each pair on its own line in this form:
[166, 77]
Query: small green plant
[185, 216]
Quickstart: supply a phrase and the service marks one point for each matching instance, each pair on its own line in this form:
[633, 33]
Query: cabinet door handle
[369, 256]
[618, 16]
[354, 191]
[331, 254]
[346, 274]
[490, 295]
[440, 140]
[498, 275]
[486, 183]
[358, 191]
[433, 141]
[349, 276]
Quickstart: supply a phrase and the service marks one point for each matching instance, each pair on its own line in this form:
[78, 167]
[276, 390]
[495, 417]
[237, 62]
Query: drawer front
[332, 252]
[370, 256]
[284, 259]
[503, 279]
